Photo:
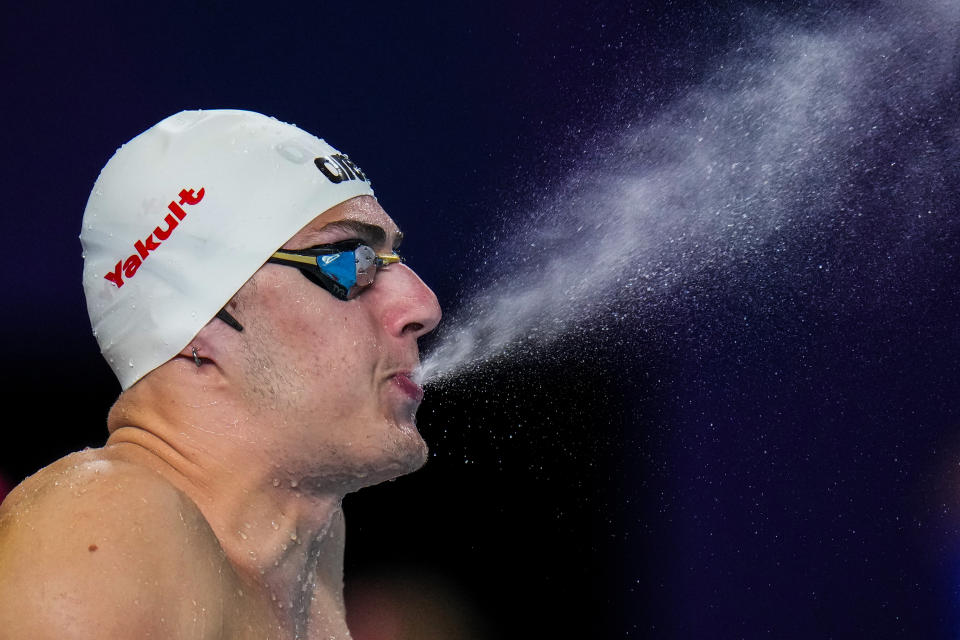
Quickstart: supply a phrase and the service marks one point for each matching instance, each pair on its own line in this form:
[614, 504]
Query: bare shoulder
[93, 547]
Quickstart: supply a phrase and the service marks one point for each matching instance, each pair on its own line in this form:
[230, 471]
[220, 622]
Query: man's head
[242, 187]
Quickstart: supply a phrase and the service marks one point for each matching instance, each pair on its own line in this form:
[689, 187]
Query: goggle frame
[326, 266]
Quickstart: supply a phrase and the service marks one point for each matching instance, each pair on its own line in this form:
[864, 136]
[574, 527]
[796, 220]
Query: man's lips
[408, 386]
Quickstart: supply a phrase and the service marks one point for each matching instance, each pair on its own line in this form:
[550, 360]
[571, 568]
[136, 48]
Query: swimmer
[244, 285]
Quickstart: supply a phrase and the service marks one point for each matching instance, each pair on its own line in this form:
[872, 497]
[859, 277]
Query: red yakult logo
[152, 242]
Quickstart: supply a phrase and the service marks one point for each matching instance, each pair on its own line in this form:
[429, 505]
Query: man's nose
[414, 309]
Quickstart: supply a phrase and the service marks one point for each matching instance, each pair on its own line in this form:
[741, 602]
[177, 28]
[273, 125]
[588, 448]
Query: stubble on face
[307, 443]
[268, 386]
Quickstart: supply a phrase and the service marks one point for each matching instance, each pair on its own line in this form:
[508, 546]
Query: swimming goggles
[343, 268]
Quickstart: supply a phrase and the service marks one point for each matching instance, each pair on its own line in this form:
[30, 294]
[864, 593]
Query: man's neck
[283, 535]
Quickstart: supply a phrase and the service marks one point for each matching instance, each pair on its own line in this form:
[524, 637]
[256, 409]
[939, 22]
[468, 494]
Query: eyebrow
[369, 234]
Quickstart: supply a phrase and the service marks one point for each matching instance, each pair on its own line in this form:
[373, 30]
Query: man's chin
[410, 454]
[403, 456]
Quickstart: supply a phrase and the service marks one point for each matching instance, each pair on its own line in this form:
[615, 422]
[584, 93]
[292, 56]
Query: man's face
[332, 376]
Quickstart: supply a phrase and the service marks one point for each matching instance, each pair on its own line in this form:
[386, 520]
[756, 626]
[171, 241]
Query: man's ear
[207, 346]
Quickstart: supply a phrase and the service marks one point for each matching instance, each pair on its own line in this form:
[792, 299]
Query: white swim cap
[182, 215]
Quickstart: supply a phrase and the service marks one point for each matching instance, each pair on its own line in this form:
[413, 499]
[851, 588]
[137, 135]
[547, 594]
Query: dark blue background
[774, 478]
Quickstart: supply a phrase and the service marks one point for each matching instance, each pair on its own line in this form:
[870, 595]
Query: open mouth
[408, 386]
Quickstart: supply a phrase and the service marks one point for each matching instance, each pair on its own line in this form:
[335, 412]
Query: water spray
[758, 156]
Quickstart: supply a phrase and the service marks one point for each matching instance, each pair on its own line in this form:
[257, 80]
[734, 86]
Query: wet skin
[312, 359]
[213, 511]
